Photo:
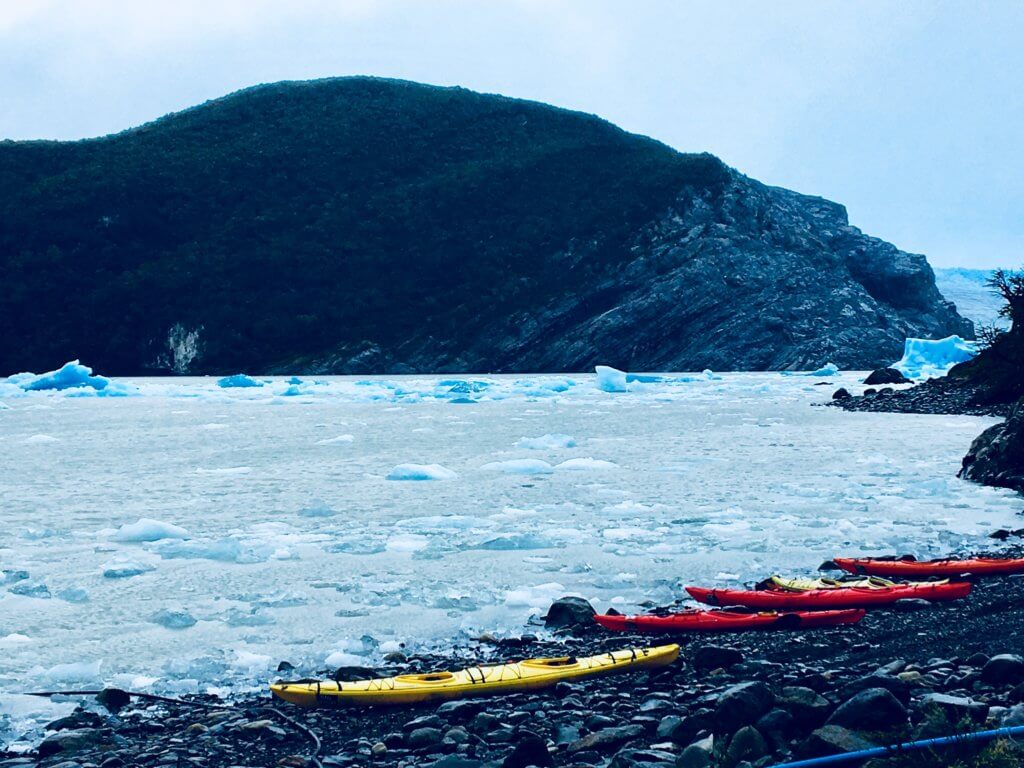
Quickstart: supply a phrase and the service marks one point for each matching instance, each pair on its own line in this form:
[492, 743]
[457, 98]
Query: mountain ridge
[362, 225]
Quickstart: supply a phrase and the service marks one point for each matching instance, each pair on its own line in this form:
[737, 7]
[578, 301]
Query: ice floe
[239, 381]
[586, 464]
[519, 467]
[546, 442]
[123, 568]
[147, 529]
[421, 472]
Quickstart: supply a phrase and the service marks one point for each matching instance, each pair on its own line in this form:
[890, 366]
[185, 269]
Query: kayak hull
[831, 598]
[728, 621]
[980, 566]
[527, 675]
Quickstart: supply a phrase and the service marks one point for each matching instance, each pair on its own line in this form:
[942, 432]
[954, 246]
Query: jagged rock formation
[359, 225]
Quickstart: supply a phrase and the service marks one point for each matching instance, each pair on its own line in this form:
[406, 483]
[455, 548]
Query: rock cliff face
[359, 225]
[996, 456]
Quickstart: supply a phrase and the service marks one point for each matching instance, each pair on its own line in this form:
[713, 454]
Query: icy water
[297, 546]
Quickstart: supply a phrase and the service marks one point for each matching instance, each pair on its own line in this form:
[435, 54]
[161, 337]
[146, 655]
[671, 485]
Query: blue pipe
[908, 746]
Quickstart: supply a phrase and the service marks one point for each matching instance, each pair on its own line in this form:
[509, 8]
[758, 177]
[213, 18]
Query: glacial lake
[278, 535]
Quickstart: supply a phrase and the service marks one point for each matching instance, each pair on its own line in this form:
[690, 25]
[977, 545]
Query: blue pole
[908, 746]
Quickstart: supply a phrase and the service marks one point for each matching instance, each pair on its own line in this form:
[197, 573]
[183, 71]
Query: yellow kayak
[526, 675]
[870, 582]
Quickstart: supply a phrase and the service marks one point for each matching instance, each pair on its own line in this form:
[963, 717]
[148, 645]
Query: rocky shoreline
[943, 396]
[745, 699]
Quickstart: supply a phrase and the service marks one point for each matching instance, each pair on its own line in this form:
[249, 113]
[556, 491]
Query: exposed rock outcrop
[996, 456]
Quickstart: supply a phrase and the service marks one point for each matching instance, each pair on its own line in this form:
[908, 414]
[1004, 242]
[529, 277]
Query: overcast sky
[910, 113]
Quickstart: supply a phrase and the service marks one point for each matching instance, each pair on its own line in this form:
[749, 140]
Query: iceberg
[610, 379]
[421, 472]
[77, 379]
[238, 380]
[928, 359]
[173, 619]
[147, 529]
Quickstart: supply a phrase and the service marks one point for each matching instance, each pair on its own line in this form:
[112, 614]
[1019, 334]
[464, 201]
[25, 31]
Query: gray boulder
[570, 613]
[742, 705]
[873, 709]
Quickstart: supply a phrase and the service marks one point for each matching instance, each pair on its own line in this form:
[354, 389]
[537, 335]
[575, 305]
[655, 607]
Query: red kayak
[834, 597]
[907, 566]
[695, 620]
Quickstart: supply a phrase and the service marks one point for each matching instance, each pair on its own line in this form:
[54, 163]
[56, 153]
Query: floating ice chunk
[74, 672]
[238, 380]
[587, 463]
[40, 440]
[514, 541]
[11, 576]
[338, 439]
[610, 379]
[829, 369]
[344, 659]
[73, 595]
[31, 589]
[421, 472]
[14, 639]
[251, 662]
[520, 467]
[539, 596]
[724, 576]
[546, 442]
[926, 358]
[227, 550]
[4, 406]
[407, 542]
[173, 619]
[224, 471]
[147, 529]
[121, 568]
[69, 376]
[317, 510]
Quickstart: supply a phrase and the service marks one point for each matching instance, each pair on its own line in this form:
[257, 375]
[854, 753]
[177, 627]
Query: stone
[841, 394]
[642, 758]
[1004, 669]
[566, 734]
[456, 735]
[529, 750]
[379, 749]
[955, 707]
[710, 657]
[456, 761]
[607, 739]
[71, 741]
[460, 711]
[694, 756]
[570, 613]
[873, 709]
[886, 376]
[746, 744]
[911, 604]
[831, 740]
[897, 687]
[741, 705]
[427, 721]
[807, 707]
[423, 737]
